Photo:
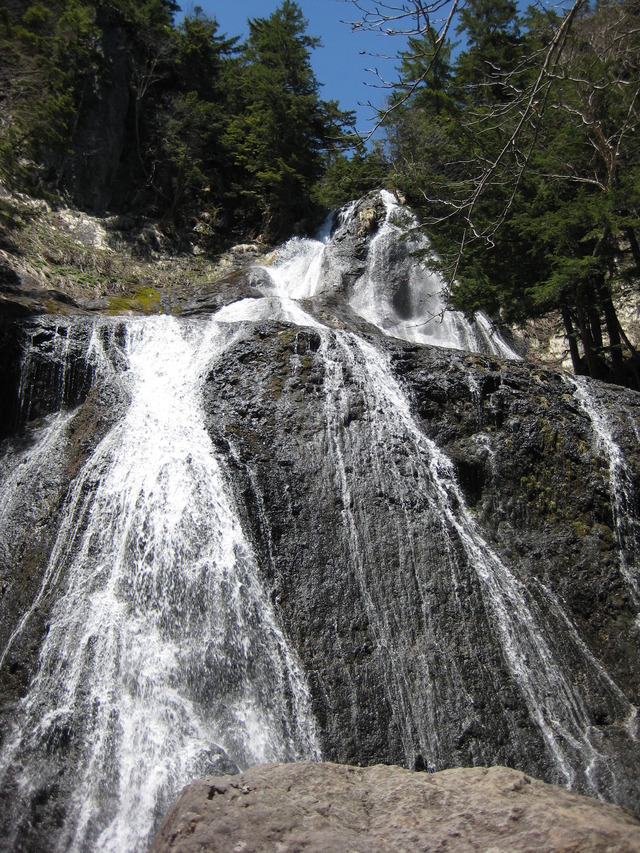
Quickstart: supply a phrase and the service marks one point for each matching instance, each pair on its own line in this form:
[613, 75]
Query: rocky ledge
[331, 807]
[61, 261]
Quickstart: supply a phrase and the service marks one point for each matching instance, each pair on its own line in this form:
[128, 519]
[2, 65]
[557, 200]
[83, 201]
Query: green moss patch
[145, 300]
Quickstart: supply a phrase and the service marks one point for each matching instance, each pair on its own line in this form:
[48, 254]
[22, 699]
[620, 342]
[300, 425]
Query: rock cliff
[282, 524]
[366, 571]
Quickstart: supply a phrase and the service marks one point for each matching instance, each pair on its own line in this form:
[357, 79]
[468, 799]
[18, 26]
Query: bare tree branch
[411, 19]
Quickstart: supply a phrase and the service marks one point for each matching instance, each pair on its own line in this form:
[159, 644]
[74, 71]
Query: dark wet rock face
[267, 531]
[394, 626]
[329, 807]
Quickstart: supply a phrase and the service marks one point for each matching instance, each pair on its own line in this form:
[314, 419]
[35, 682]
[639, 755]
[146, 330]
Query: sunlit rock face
[321, 517]
[344, 809]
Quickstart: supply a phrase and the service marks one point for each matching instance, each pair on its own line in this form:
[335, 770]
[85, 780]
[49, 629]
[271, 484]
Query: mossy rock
[146, 300]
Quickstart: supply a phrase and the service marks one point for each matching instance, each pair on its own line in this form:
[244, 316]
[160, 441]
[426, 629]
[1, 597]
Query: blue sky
[339, 64]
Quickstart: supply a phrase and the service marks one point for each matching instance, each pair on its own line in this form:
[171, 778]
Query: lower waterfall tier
[442, 549]
[224, 542]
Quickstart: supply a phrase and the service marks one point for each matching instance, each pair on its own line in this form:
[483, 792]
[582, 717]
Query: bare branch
[416, 20]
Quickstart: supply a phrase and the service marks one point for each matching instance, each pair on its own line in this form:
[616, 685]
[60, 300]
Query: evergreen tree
[531, 200]
[281, 127]
[347, 178]
[493, 50]
[193, 119]
[425, 136]
[584, 215]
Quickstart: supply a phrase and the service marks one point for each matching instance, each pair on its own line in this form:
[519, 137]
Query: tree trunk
[613, 331]
[595, 327]
[633, 243]
[594, 363]
[576, 361]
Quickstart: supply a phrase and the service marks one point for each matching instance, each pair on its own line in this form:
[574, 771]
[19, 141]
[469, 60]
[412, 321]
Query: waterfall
[164, 658]
[395, 291]
[621, 486]
[538, 643]
[536, 639]
[157, 646]
[403, 298]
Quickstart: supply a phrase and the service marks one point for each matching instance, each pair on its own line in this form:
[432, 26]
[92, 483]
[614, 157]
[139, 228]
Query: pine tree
[531, 200]
[493, 50]
[193, 119]
[281, 127]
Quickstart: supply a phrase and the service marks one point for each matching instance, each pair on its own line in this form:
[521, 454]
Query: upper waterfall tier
[370, 257]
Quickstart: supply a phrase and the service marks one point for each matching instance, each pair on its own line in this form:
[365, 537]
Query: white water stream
[164, 658]
[547, 684]
[621, 487]
[396, 292]
[526, 635]
[415, 308]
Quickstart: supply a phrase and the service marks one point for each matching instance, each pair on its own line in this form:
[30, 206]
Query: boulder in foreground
[318, 808]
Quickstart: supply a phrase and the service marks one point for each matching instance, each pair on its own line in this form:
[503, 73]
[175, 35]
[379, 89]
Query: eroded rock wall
[393, 622]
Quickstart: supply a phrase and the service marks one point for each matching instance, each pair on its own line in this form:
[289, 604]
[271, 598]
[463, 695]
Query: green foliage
[492, 32]
[76, 34]
[201, 56]
[48, 59]
[529, 184]
[37, 19]
[236, 134]
[348, 178]
[281, 128]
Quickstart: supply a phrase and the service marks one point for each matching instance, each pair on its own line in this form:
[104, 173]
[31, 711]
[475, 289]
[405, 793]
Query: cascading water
[394, 291]
[527, 637]
[163, 657]
[623, 498]
[165, 648]
[403, 299]
[538, 642]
